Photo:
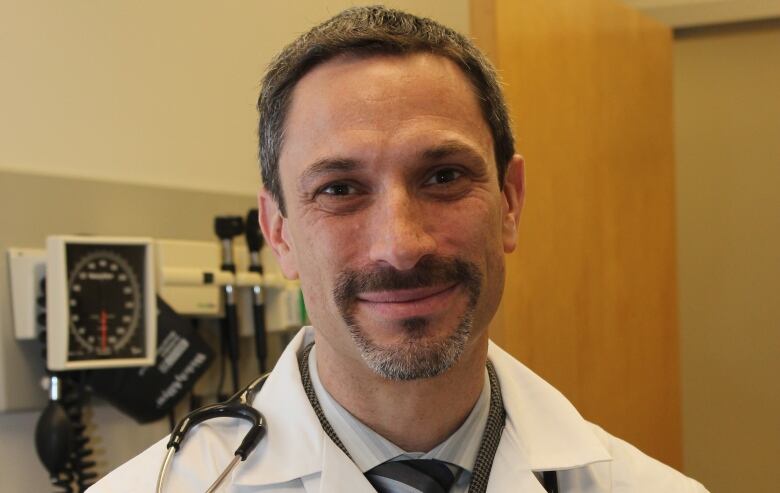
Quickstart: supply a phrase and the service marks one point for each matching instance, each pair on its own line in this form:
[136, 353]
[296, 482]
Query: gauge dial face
[105, 301]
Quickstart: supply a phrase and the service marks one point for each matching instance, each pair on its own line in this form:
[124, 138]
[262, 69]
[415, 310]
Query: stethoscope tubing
[164, 469]
[239, 406]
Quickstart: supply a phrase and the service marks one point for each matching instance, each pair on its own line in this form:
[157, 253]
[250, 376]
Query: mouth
[408, 303]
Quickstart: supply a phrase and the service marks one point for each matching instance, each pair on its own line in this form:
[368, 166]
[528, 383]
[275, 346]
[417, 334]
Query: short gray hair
[370, 31]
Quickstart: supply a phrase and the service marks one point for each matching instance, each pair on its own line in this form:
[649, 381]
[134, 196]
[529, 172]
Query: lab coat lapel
[293, 445]
[542, 426]
[510, 472]
[338, 470]
[543, 431]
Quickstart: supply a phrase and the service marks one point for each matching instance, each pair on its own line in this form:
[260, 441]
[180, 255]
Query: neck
[415, 415]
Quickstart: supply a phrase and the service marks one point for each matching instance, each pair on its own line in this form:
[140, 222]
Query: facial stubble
[419, 354]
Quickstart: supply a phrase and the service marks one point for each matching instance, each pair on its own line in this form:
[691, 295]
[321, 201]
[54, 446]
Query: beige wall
[146, 91]
[727, 90]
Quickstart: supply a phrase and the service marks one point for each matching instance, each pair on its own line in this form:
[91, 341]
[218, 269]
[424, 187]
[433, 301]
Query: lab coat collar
[294, 442]
[543, 432]
[543, 429]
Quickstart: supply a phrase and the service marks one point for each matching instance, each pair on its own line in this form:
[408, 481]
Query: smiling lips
[408, 303]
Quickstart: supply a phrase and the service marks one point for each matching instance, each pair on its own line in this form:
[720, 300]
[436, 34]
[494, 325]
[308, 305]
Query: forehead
[360, 98]
[376, 77]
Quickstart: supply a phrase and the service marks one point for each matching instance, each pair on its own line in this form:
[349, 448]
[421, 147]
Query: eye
[444, 176]
[335, 189]
[341, 197]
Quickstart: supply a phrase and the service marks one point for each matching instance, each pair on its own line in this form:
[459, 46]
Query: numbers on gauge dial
[104, 297]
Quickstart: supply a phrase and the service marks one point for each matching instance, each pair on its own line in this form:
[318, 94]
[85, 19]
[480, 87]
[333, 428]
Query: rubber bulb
[54, 437]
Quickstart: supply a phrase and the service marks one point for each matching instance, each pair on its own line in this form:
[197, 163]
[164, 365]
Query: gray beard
[415, 357]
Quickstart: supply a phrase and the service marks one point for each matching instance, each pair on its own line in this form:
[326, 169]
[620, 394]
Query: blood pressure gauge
[100, 302]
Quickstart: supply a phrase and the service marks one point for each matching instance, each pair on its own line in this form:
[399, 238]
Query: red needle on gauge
[103, 328]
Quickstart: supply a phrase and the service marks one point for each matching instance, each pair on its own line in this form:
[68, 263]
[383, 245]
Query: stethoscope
[240, 406]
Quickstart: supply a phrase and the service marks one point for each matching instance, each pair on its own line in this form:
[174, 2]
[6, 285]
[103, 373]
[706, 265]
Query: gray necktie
[407, 476]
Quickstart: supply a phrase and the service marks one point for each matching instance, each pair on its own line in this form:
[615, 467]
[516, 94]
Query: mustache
[429, 271]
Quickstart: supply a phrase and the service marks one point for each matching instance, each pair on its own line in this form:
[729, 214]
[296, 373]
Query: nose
[401, 231]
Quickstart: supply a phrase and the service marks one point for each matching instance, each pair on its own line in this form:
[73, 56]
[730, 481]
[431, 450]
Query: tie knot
[413, 475]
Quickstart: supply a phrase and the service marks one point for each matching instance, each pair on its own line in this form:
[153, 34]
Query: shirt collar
[369, 449]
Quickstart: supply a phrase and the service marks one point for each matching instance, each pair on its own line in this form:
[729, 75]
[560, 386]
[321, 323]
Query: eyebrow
[325, 166]
[450, 148]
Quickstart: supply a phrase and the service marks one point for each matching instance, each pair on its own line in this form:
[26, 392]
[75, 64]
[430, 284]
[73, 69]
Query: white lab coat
[543, 432]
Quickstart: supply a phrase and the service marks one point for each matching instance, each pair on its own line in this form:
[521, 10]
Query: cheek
[316, 286]
[322, 252]
[469, 229]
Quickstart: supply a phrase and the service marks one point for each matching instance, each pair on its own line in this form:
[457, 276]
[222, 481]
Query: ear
[274, 227]
[513, 193]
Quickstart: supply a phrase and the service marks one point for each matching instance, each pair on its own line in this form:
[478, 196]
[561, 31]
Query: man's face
[396, 225]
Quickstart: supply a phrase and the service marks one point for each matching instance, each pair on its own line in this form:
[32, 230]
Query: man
[392, 191]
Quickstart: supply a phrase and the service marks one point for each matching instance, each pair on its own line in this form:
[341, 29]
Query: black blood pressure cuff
[149, 393]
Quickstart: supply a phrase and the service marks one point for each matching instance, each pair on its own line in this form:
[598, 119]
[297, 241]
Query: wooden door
[590, 302]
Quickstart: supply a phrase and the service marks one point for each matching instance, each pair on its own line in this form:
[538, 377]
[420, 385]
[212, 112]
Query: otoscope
[254, 240]
[228, 227]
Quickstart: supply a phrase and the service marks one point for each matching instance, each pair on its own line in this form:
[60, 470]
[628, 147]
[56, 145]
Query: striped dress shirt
[369, 449]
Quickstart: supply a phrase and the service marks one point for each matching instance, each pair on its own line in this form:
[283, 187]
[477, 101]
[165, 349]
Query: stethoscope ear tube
[251, 440]
[239, 406]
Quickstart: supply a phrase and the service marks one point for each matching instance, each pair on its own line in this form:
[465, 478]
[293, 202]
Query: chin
[418, 351]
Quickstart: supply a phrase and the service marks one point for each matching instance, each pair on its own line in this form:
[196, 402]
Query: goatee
[418, 355]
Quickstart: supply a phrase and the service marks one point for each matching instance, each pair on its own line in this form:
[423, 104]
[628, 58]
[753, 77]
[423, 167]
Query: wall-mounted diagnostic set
[122, 318]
